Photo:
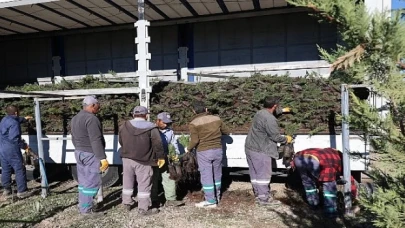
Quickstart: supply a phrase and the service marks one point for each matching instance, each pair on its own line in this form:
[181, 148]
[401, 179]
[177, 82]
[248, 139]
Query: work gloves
[176, 158]
[161, 163]
[286, 110]
[104, 165]
[289, 139]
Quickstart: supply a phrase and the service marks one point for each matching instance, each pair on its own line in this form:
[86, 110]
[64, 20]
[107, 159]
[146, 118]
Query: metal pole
[141, 9]
[44, 181]
[143, 56]
[346, 148]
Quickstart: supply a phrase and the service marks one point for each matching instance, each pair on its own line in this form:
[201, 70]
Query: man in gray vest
[141, 149]
[261, 148]
[88, 140]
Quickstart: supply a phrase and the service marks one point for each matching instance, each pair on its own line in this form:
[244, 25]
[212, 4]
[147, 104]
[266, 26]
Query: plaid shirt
[330, 161]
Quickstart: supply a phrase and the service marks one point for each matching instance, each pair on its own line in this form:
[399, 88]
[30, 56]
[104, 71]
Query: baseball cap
[165, 117]
[140, 110]
[89, 100]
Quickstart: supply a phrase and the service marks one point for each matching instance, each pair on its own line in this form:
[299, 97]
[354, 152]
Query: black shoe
[128, 207]
[151, 211]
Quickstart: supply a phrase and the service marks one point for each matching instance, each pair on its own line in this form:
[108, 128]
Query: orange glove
[104, 165]
[161, 163]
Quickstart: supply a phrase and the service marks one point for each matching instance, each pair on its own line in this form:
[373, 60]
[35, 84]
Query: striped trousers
[143, 174]
[260, 174]
[89, 178]
[210, 167]
[309, 170]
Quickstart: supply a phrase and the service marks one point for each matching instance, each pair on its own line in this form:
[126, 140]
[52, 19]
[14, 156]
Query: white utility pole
[143, 56]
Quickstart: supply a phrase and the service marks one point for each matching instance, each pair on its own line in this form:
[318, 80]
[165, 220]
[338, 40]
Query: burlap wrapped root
[286, 152]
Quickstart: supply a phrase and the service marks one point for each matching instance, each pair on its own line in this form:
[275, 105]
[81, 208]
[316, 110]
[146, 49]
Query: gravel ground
[237, 209]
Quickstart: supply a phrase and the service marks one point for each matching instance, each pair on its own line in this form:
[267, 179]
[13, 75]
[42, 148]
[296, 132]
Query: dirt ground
[236, 209]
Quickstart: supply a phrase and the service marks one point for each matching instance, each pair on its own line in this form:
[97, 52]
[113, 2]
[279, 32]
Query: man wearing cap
[141, 149]
[88, 140]
[163, 122]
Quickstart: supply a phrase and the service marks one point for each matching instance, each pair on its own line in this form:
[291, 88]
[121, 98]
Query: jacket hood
[136, 131]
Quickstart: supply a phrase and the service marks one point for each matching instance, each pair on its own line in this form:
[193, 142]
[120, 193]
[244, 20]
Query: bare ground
[237, 209]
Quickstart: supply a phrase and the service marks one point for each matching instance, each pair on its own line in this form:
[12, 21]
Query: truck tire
[109, 178]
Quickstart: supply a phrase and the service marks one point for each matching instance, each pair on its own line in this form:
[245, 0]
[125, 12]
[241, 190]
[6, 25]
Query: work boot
[7, 194]
[22, 195]
[128, 207]
[151, 211]
[269, 202]
[173, 203]
[93, 214]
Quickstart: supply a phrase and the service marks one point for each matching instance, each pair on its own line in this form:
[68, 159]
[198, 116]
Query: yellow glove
[161, 163]
[104, 165]
[289, 138]
[175, 158]
[286, 109]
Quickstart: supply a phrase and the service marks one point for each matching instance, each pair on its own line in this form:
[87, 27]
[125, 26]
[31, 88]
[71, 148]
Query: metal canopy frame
[346, 143]
[64, 15]
[39, 96]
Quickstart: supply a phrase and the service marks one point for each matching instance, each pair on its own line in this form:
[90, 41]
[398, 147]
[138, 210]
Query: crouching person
[205, 135]
[141, 149]
[320, 166]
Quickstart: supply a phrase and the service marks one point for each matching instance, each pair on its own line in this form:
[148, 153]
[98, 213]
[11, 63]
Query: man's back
[264, 134]
[87, 134]
[140, 141]
[209, 130]
[10, 132]
[330, 161]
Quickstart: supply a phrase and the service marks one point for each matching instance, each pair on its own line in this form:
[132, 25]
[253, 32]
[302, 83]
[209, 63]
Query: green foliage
[236, 101]
[373, 45]
[387, 204]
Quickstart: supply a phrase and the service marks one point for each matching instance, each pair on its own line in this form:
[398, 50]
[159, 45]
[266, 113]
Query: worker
[320, 166]
[11, 158]
[261, 148]
[205, 135]
[141, 149]
[89, 143]
[164, 122]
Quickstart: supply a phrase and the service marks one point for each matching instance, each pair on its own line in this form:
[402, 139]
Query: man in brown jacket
[141, 149]
[205, 133]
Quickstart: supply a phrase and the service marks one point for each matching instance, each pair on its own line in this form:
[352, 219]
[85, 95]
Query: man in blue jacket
[10, 152]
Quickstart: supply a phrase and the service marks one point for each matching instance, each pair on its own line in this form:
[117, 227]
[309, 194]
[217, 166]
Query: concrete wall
[257, 40]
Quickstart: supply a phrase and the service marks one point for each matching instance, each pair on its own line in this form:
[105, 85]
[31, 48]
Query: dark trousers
[89, 178]
[309, 170]
[260, 173]
[13, 161]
